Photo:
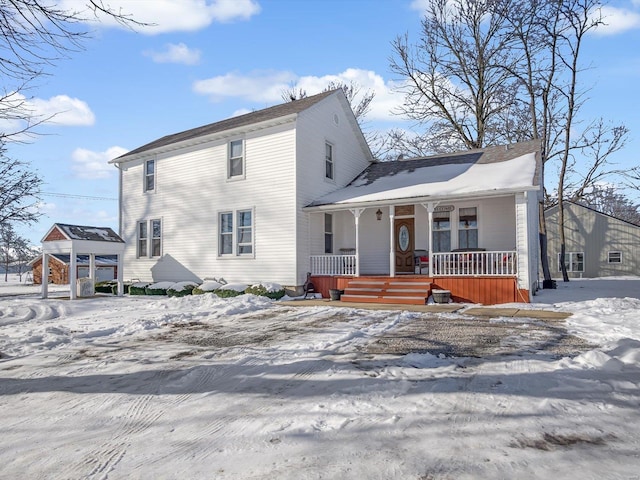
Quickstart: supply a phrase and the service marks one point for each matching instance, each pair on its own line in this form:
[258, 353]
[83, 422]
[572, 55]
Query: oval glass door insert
[403, 238]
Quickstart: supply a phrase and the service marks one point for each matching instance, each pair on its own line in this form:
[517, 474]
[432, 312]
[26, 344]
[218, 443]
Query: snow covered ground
[200, 387]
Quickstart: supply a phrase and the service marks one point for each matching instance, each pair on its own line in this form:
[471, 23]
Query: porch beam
[356, 216]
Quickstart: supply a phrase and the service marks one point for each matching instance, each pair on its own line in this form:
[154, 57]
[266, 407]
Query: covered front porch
[475, 248]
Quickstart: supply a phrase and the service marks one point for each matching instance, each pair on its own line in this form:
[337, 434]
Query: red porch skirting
[484, 290]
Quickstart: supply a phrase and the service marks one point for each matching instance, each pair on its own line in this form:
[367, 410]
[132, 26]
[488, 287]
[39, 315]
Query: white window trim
[457, 224]
[152, 238]
[139, 253]
[325, 233]
[609, 257]
[568, 256]
[145, 175]
[331, 179]
[234, 233]
[233, 178]
[148, 253]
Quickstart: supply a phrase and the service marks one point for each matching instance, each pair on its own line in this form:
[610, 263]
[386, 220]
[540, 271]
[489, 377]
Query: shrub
[209, 286]
[159, 288]
[106, 286]
[269, 290]
[231, 290]
[181, 289]
[138, 288]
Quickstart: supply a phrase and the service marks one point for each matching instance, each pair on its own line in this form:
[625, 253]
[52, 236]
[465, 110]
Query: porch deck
[485, 290]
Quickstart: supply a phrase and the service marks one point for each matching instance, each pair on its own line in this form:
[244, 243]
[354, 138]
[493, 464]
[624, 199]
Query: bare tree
[19, 190]
[497, 71]
[359, 101]
[14, 250]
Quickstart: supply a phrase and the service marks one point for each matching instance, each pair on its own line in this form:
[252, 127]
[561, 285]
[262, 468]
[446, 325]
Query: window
[142, 239]
[240, 240]
[156, 239]
[149, 175]
[226, 233]
[615, 257]
[468, 227]
[328, 233]
[441, 232]
[236, 159]
[574, 261]
[328, 161]
[245, 236]
[155, 242]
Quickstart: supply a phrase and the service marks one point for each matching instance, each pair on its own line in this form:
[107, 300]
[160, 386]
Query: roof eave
[422, 199]
[126, 158]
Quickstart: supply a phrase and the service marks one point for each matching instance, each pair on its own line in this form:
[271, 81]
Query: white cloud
[267, 87]
[172, 15]
[257, 87]
[91, 165]
[176, 53]
[618, 20]
[61, 110]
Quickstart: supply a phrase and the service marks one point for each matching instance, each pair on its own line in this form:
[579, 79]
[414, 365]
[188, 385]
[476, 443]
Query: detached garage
[106, 268]
[70, 242]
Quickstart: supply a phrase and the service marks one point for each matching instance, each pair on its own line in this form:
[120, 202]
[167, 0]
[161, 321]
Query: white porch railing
[474, 263]
[333, 265]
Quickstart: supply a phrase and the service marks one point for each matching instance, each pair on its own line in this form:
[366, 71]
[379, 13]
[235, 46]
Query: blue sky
[206, 60]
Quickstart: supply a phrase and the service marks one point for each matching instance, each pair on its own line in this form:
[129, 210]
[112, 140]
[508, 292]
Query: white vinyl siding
[195, 179]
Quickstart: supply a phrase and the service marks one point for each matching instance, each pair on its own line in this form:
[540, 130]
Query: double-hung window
[441, 232]
[328, 161]
[149, 175]
[236, 159]
[143, 237]
[574, 261]
[328, 233]
[239, 240]
[468, 227]
[150, 246]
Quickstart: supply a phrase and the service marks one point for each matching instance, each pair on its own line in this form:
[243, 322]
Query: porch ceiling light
[379, 215]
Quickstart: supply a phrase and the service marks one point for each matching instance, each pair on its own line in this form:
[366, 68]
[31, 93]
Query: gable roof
[82, 232]
[271, 113]
[553, 208]
[491, 170]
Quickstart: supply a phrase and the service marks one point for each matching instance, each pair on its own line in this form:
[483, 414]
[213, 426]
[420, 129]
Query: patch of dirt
[461, 336]
[550, 441]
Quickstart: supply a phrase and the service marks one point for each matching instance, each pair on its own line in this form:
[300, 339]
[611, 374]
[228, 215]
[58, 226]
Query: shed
[75, 240]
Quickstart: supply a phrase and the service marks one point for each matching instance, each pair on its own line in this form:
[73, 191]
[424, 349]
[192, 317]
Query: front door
[404, 230]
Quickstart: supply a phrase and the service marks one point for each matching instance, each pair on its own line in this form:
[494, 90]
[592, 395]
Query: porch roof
[475, 173]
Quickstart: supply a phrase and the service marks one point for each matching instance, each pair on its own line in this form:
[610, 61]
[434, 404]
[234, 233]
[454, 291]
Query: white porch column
[392, 244]
[356, 215]
[430, 206]
[73, 275]
[120, 276]
[45, 275]
[92, 267]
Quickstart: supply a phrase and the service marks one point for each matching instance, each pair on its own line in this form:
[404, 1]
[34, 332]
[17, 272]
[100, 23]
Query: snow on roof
[484, 171]
[80, 232]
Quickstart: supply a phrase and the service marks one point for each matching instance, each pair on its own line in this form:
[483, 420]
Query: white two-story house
[293, 189]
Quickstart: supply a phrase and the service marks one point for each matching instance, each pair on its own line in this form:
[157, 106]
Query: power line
[69, 195]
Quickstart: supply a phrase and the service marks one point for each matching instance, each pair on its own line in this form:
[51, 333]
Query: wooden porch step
[410, 291]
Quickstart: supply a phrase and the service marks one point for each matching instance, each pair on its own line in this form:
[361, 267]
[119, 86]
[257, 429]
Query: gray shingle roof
[81, 232]
[258, 116]
[480, 156]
